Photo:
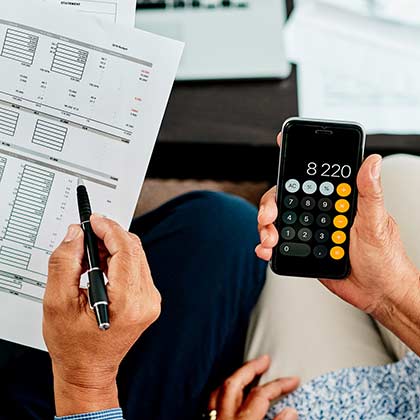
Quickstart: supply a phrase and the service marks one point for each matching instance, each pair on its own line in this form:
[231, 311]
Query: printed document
[113, 11]
[78, 98]
[356, 68]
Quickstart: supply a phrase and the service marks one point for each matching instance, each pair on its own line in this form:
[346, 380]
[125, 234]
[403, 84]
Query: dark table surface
[227, 129]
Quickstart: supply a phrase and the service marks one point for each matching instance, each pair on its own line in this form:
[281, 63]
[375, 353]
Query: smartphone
[317, 197]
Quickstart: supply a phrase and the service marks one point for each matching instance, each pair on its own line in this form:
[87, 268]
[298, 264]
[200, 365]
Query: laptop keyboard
[202, 4]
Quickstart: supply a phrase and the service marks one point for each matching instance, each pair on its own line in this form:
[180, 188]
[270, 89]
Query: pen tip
[80, 182]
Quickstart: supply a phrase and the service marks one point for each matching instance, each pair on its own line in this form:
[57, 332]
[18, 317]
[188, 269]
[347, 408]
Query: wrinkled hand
[85, 359]
[231, 404]
[381, 271]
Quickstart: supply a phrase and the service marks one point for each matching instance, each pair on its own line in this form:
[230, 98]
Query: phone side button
[295, 250]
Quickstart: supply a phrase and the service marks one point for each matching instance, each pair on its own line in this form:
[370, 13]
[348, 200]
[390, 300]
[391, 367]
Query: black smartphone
[317, 197]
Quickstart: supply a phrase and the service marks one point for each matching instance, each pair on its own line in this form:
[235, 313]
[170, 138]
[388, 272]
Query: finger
[269, 236]
[231, 393]
[114, 237]
[213, 400]
[268, 208]
[65, 265]
[287, 414]
[259, 399]
[264, 253]
[279, 138]
[372, 217]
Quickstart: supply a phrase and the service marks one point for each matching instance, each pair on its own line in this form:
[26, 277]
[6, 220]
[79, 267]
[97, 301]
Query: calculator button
[340, 221]
[288, 233]
[342, 206]
[337, 253]
[289, 217]
[339, 237]
[326, 188]
[308, 203]
[295, 250]
[306, 219]
[292, 186]
[320, 251]
[309, 187]
[325, 204]
[323, 220]
[291, 201]
[322, 236]
[344, 190]
[305, 234]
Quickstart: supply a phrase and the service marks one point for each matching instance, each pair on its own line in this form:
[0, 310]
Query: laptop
[225, 39]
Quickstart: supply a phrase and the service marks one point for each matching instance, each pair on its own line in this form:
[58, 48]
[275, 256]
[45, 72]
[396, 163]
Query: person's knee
[222, 216]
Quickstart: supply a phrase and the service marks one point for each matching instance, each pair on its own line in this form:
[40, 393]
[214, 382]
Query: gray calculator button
[325, 204]
[326, 188]
[291, 201]
[308, 203]
[309, 187]
[306, 219]
[289, 217]
[288, 233]
[320, 251]
[305, 234]
[292, 185]
[323, 220]
[295, 250]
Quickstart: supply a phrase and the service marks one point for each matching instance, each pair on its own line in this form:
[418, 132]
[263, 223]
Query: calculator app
[317, 198]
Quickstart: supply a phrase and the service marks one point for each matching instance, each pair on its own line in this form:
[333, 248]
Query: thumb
[371, 221]
[287, 414]
[66, 262]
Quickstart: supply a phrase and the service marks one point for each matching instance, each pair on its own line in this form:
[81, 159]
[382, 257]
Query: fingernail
[263, 357]
[289, 414]
[97, 215]
[376, 169]
[72, 233]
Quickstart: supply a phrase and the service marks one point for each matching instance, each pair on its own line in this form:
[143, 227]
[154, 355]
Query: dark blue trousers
[200, 248]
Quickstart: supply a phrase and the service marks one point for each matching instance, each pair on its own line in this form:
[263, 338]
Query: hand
[231, 404]
[85, 360]
[381, 271]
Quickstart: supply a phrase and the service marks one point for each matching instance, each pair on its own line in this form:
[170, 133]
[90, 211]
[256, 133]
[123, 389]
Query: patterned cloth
[114, 414]
[371, 393]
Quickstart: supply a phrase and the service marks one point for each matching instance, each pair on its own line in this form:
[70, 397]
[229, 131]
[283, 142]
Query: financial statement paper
[78, 98]
[115, 11]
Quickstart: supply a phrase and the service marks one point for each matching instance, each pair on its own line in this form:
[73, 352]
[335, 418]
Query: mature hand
[231, 404]
[85, 360]
[381, 271]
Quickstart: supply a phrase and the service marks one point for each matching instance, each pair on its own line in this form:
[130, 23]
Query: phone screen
[317, 197]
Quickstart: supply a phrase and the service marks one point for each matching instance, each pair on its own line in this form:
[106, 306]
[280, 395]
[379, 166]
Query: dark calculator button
[322, 236]
[305, 234]
[320, 251]
[308, 203]
[295, 250]
[306, 219]
[325, 204]
[323, 220]
[291, 201]
[289, 217]
[288, 233]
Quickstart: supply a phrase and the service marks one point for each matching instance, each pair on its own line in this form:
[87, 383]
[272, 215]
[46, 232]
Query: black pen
[98, 298]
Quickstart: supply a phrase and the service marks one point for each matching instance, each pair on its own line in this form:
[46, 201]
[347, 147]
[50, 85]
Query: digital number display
[333, 170]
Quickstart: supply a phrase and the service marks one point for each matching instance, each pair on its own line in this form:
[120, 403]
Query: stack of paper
[355, 67]
[80, 96]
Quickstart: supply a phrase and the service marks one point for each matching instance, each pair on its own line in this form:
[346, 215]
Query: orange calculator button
[337, 253]
[339, 237]
[342, 205]
[344, 190]
[340, 221]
